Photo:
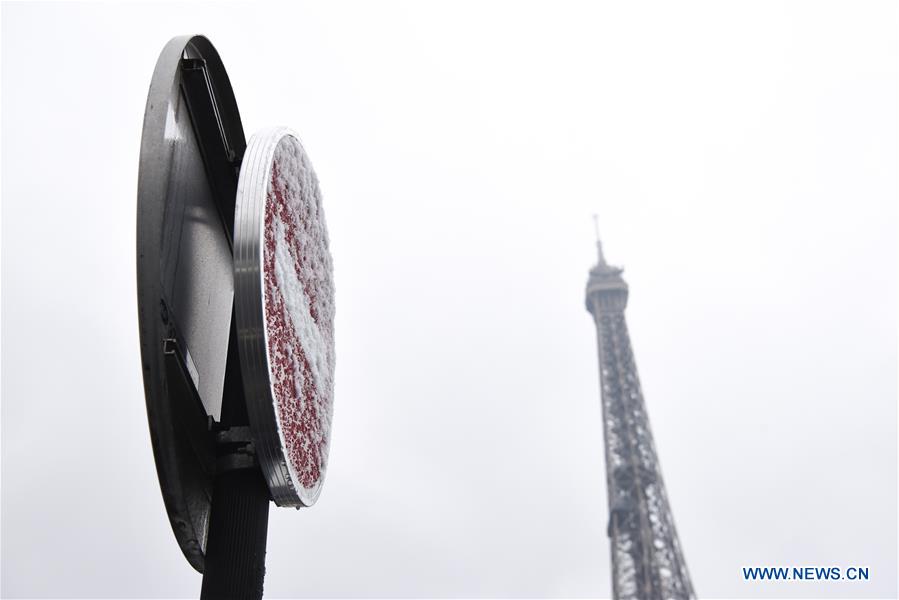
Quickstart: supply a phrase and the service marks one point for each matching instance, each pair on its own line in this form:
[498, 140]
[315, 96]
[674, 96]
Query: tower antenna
[602, 259]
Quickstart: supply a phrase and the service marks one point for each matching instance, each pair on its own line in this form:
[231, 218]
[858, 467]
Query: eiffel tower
[647, 562]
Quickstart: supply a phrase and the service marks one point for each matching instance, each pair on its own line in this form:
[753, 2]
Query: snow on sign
[284, 299]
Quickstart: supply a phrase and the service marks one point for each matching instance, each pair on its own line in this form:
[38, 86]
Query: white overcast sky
[742, 157]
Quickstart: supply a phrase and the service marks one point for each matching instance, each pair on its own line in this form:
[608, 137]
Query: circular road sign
[191, 149]
[284, 303]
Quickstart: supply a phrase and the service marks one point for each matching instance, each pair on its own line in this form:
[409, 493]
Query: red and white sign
[285, 312]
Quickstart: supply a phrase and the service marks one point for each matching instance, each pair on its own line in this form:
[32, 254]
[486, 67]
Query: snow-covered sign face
[285, 314]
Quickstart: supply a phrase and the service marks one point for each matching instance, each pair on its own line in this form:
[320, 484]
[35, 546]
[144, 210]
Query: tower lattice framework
[647, 561]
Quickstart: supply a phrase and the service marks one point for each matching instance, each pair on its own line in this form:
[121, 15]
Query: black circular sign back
[191, 149]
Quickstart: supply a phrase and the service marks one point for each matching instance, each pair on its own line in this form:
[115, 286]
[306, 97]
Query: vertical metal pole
[238, 518]
[238, 528]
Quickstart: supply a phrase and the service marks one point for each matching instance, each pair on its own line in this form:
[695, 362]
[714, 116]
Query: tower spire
[599, 255]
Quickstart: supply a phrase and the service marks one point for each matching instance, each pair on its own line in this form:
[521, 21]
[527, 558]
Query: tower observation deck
[647, 562]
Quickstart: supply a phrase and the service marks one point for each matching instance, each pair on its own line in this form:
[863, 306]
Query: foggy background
[742, 158]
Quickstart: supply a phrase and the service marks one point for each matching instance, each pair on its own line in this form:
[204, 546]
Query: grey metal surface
[249, 281]
[647, 561]
[198, 277]
[184, 274]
